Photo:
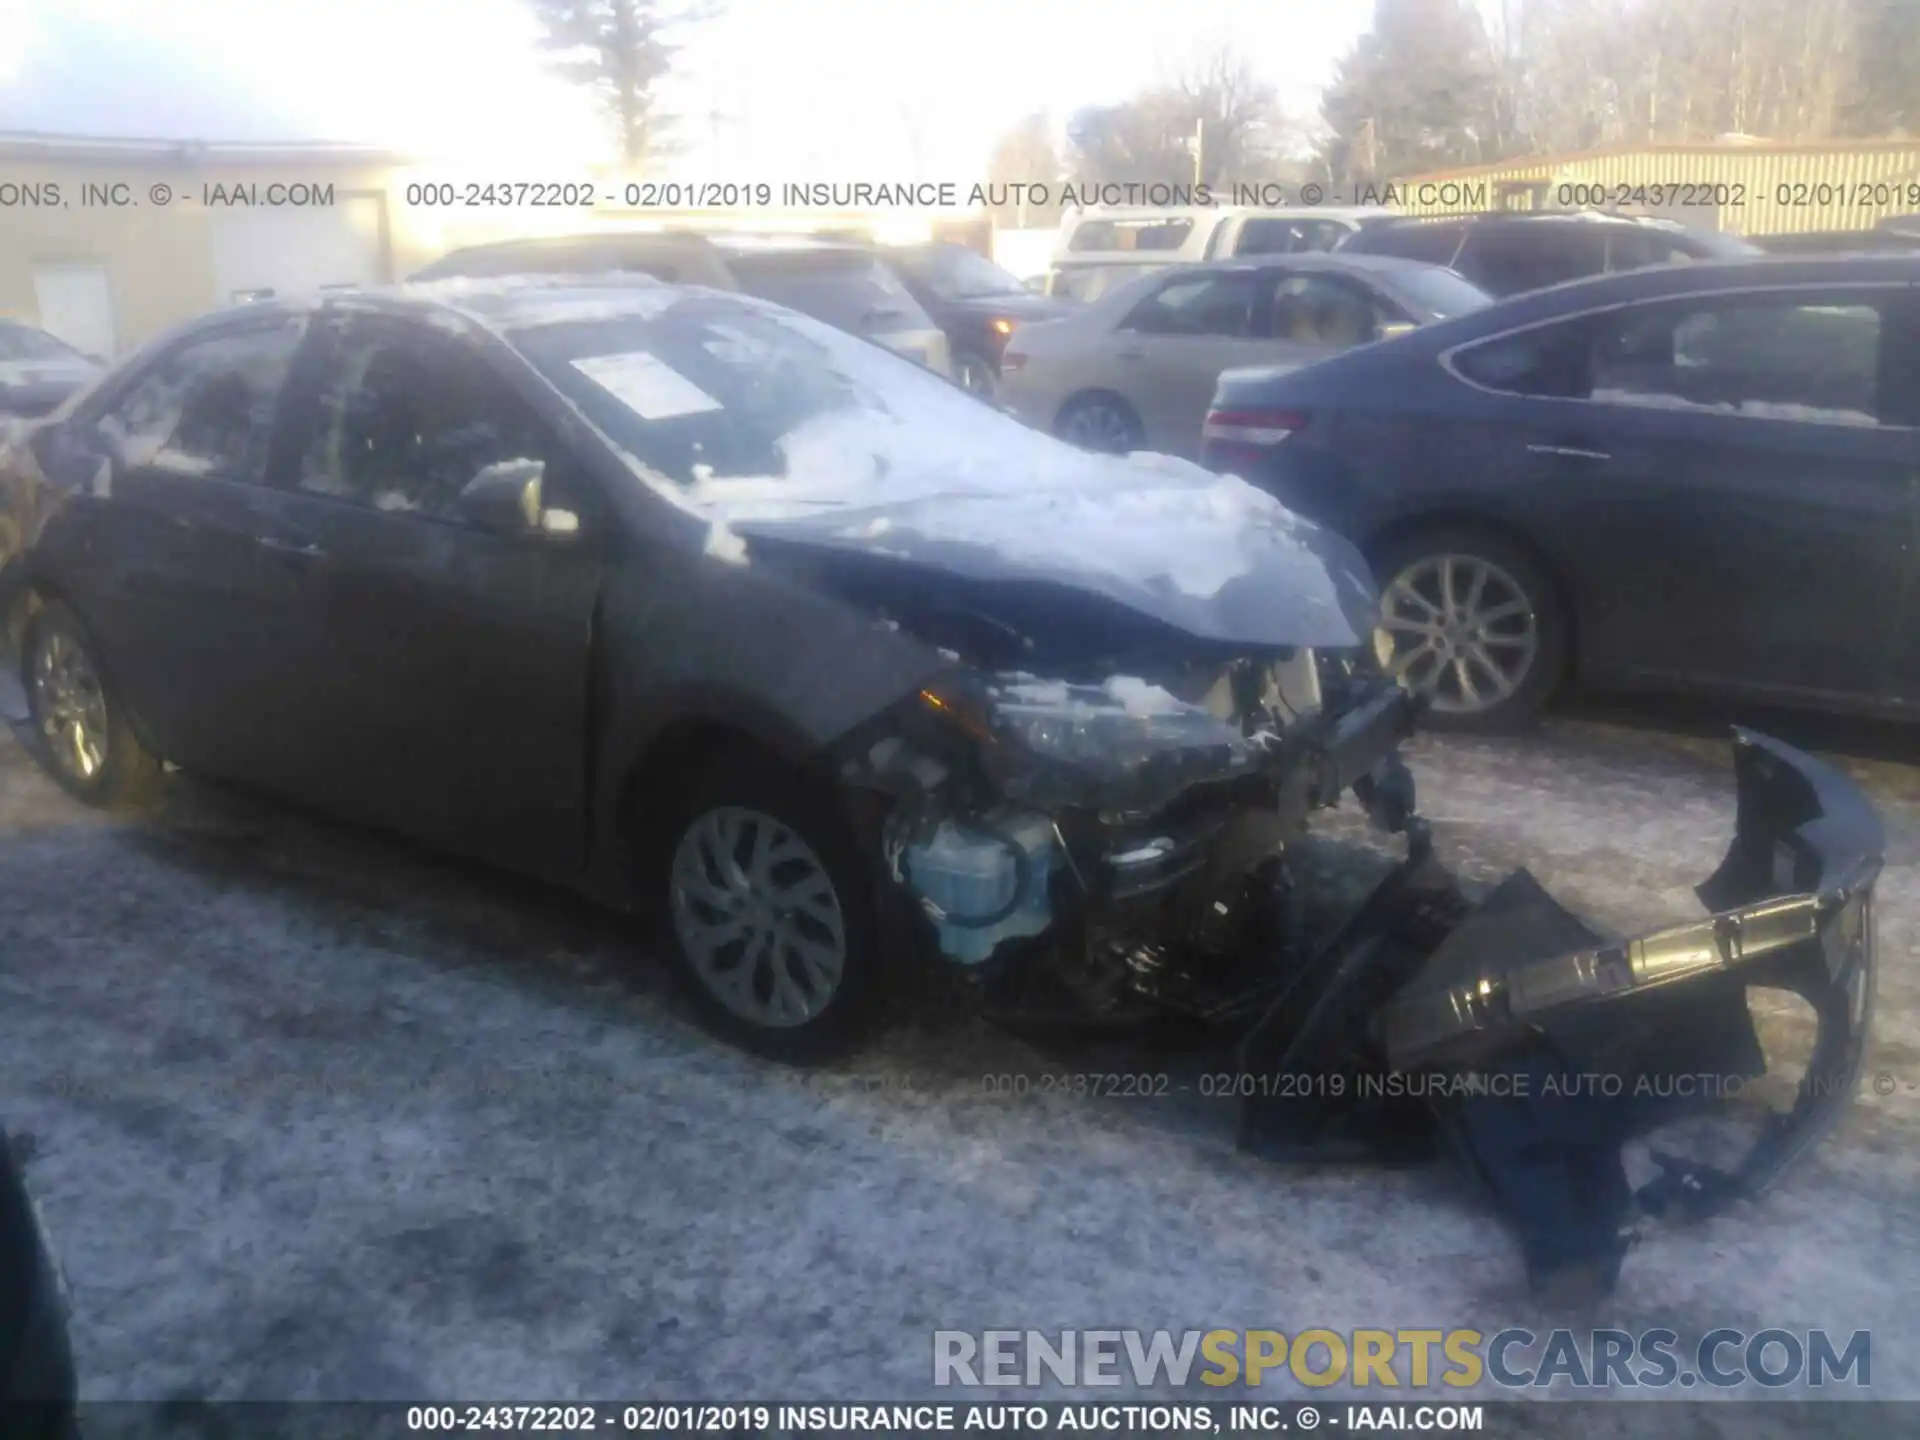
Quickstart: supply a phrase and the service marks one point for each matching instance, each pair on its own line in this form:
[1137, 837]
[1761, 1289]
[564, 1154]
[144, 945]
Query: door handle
[1570, 452]
[1130, 354]
[302, 554]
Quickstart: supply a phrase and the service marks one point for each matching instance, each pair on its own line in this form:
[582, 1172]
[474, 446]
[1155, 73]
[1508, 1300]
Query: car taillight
[1258, 428]
[1012, 359]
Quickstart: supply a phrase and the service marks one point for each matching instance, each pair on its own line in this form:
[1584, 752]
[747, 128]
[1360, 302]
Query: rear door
[443, 669]
[1732, 494]
[174, 579]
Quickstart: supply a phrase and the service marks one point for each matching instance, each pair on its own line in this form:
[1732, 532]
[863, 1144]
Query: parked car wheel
[1473, 623]
[83, 731]
[977, 375]
[770, 917]
[1100, 422]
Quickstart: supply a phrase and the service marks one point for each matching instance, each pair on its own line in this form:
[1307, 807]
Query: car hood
[982, 500]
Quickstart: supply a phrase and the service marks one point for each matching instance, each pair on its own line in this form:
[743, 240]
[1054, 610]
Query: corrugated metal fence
[1745, 189]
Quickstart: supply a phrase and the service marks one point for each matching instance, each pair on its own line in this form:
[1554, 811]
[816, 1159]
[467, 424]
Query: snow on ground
[318, 1115]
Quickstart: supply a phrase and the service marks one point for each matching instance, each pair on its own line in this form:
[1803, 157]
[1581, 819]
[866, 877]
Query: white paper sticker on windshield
[646, 385]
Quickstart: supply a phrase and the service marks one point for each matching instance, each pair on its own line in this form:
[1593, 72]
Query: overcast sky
[774, 89]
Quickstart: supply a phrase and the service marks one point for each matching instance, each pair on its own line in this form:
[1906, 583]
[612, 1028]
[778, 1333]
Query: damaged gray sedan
[862, 693]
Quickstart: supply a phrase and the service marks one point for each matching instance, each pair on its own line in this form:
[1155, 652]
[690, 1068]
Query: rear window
[1433, 243]
[848, 290]
[1166, 234]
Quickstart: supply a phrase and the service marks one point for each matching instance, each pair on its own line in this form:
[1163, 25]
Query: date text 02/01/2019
[934, 1419]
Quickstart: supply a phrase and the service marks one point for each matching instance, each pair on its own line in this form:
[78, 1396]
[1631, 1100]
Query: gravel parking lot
[317, 1115]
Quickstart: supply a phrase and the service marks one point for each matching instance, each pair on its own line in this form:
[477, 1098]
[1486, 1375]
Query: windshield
[853, 291]
[23, 342]
[712, 387]
[954, 272]
[1439, 292]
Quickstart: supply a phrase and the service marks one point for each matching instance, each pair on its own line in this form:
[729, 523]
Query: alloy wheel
[756, 914]
[1459, 630]
[71, 707]
[1099, 425]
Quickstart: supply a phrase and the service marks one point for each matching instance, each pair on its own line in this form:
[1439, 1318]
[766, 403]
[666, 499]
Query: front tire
[769, 913]
[84, 735]
[1473, 623]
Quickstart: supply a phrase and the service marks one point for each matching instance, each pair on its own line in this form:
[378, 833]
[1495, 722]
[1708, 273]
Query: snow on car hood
[991, 500]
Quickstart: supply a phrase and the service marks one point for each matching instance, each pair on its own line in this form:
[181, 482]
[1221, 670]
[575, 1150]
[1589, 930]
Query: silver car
[1135, 369]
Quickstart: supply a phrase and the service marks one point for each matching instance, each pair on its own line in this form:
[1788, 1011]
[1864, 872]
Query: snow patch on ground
[319, 1116]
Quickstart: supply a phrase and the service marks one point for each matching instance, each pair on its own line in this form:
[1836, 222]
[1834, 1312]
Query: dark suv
[977, 303]
[845, 285]
[1507, 253]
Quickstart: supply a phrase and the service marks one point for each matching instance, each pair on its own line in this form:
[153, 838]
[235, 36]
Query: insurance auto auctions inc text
[1086, 195]
[1513, 1358]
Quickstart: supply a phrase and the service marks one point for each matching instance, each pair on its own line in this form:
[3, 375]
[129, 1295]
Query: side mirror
[505, 499]
[1037, 284]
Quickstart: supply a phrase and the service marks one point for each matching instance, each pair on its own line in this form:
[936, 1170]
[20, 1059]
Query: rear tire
[1473, 622]
[82, 731]
[766, 908]
[1100, 422]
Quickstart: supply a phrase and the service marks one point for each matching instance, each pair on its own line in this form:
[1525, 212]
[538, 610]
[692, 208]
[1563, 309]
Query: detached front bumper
[1537, 1047]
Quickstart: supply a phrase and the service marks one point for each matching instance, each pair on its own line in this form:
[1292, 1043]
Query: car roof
[1654, 282]
[1275, 212]
[1532, 217]
[1304, 260]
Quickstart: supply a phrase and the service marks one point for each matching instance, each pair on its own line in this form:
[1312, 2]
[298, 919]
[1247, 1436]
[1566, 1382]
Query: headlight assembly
[1121, 746]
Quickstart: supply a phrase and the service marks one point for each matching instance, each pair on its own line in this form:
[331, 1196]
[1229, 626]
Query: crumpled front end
[1108, 849]
[1540, 1050]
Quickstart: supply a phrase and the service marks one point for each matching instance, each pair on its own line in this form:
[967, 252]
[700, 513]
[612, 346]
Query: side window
[1288, 237]
[1550, 361]
[1324, 310]
[1636, 249]
[205, 408]
[1508, 259]
[1215, 304]
[1434, 243]
[404, 423]
[1772, 356]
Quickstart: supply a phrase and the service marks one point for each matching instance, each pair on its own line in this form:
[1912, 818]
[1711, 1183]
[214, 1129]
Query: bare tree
[1235, 115]
[1417, 92]
[1024, 158]
[621, 50]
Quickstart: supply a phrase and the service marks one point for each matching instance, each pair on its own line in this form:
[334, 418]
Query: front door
[446, 667]
[1167, 353]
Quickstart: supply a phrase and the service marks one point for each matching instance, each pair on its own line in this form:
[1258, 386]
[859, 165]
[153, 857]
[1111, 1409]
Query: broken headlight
[1123, 747]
